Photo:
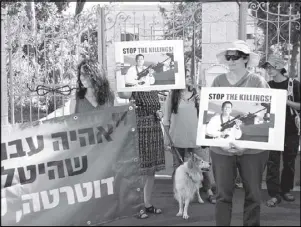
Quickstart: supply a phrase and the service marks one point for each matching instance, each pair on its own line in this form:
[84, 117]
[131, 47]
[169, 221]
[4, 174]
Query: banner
[150, 65]
[252, 117]
[80, 169]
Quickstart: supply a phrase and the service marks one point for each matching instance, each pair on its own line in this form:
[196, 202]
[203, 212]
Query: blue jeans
[251, 168]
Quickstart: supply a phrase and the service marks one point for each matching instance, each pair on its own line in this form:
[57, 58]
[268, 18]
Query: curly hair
[99, 81]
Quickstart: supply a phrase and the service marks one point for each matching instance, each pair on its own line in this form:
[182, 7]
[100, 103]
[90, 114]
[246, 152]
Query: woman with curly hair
[93, 90]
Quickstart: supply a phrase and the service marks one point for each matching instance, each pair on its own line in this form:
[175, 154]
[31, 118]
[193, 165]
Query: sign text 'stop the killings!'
[146, 50]
[241, 97]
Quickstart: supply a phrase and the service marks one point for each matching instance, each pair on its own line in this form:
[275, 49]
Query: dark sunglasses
[233, 57]
[268, 67]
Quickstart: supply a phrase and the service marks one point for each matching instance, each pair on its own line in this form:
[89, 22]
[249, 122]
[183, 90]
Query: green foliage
[184, 22]
[48, 53]
[288, 32]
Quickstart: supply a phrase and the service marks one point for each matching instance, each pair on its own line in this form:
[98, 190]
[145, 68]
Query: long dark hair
[175, 98]
[98, 78]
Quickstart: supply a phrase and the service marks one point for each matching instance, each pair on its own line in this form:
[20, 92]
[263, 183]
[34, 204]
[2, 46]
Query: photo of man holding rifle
[139, 75]
[215, 129]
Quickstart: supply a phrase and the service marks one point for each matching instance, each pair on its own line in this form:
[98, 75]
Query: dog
[187, 181]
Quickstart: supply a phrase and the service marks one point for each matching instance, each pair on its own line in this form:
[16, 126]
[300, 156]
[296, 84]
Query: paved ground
[286, 214]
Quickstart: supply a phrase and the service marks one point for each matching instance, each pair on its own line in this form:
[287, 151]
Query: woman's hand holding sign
[119, 66]
[236, 149]
[238, 123]
[233, 148]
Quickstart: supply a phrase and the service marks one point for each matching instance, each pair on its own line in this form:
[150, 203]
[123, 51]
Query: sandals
[153, 210]
[211, 199]
[238, 185]
[143, 213]
[273, 202]
[288, 197]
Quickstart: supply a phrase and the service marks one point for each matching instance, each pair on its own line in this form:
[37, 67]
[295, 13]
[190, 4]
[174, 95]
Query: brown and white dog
[187, 181]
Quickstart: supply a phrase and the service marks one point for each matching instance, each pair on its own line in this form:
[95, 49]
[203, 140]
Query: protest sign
[80, 169]
[252, 117]
[150, 65]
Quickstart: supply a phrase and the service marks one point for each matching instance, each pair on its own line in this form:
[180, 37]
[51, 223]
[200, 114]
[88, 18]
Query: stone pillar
[101, 44]
[243, 14]
[4, 98]
[112, 34]
[219, 28]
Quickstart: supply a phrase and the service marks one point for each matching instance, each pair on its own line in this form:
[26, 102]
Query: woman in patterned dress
[94, 90]
[151, 143]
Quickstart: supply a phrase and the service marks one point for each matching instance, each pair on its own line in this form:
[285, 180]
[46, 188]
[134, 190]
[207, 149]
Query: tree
[271, 33]
[51, 54]
[184, 22]
[79, 6]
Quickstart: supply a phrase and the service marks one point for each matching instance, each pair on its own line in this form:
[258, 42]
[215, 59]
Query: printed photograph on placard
[244, 115]
[150, 65]
[237, 121]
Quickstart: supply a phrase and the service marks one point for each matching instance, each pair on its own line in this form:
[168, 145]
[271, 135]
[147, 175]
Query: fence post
[101, 37]
[4, 98]
[243, 14]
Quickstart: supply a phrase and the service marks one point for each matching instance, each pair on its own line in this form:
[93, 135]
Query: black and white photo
[150, 65]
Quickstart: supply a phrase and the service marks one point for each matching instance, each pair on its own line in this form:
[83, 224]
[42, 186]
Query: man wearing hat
[225, 160]
[277, 187]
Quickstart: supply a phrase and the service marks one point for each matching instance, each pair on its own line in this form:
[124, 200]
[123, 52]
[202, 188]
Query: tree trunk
[192, 71]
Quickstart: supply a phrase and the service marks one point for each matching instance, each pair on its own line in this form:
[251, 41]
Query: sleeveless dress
[150, 135]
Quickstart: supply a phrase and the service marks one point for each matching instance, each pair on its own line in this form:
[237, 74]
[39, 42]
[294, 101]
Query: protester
[94, 90]
[214, 129]
[181, 120]
[151, 143]
[281, 187]
[132, 77]
[225, 160]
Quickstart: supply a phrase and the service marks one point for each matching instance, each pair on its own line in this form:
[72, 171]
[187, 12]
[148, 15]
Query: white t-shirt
[213, 129]
[131, 77]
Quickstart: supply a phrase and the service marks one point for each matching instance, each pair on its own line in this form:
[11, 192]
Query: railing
[44, 54]
[277, 30]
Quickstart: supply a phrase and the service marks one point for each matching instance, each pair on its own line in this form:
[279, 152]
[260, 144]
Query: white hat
[275, 61]
[243, 47]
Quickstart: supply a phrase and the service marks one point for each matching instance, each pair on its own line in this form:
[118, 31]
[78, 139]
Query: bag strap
[290, 89]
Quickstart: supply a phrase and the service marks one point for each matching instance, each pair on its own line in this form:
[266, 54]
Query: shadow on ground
[286, 214]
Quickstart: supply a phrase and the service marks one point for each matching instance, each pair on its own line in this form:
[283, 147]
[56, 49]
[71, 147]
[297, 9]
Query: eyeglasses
[233, 57]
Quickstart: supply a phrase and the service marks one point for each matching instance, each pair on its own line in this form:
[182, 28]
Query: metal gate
[275, 28]
[46, 50]
[154, 22]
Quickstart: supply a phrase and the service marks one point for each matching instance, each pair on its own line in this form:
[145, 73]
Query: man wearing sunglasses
[281, 187]
[226, 160]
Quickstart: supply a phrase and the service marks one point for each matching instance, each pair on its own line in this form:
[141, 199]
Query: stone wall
[219, 28]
